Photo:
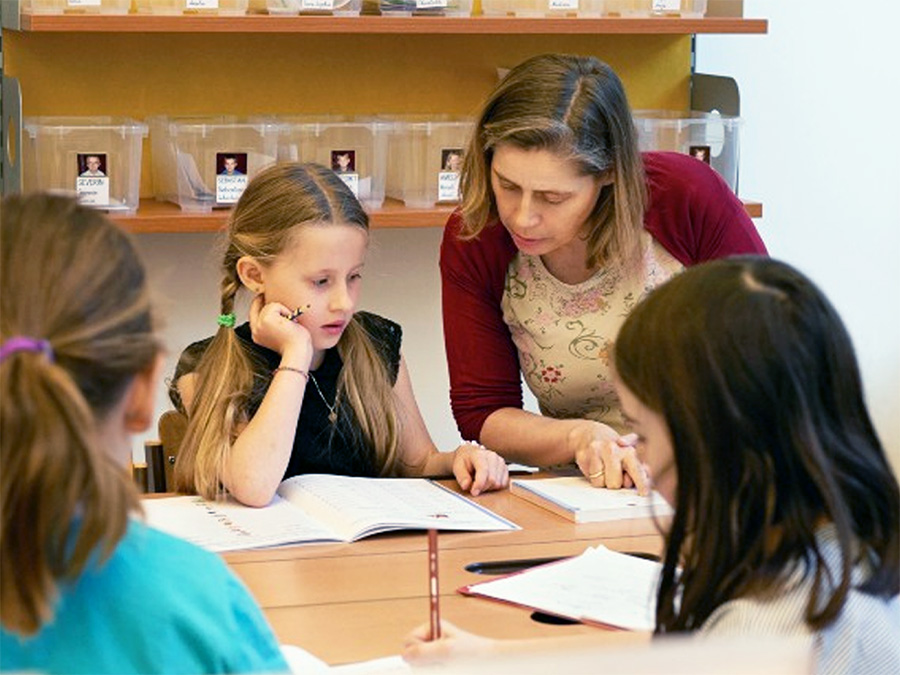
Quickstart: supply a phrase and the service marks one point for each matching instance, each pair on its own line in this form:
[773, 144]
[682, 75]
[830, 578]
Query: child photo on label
[92, 165]
[343, 161]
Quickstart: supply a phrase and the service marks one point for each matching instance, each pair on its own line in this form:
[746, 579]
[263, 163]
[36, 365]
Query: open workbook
[322, 508]
[599, 586]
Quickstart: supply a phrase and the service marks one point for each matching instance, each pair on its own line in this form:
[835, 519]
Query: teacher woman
[562, 228]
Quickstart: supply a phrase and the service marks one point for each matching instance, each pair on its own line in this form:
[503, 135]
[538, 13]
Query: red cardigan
[692, 212]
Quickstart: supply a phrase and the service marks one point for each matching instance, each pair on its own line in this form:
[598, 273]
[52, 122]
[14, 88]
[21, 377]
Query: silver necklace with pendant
[332, 410]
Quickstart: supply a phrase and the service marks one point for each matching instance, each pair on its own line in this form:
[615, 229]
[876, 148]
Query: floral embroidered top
[563, 333]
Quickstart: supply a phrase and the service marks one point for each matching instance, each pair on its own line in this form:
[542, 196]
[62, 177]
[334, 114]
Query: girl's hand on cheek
[271, 328]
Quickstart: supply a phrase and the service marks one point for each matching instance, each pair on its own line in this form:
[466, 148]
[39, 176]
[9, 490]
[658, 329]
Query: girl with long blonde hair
[308, 384]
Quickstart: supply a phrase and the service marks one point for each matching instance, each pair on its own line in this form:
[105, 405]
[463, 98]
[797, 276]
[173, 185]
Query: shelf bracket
[11, 135]
[10, 110]
[715, 92]
[10, 14]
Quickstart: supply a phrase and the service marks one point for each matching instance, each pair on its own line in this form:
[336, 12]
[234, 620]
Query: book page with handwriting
[599, 585]
[227, 525]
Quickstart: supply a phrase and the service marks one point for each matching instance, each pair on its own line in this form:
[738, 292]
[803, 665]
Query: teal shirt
[158, 605]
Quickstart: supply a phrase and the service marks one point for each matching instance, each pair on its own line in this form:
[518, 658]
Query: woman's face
[654, 441]
[542, 199]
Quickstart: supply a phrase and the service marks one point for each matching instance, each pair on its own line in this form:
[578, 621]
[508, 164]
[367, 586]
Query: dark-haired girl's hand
[420, 650]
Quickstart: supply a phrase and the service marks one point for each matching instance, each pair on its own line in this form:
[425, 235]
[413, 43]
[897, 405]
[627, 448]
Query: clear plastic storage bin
[583, 8]
[710, 137]
[201, 163]
[76, 6]
[688, 9]
[219, 7]
[333, 7]
[426, 7]
[97, 159]
[425, 158]
[356, 149]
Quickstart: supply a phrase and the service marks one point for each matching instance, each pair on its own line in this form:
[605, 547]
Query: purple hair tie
[25, 344]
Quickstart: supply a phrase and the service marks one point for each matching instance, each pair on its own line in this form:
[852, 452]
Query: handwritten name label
[563, 4]
[666, 5]
[448, 186]
[317, 5]
[92, 191]
[431, 4]
[83, 3]
[201, 4]
[229, 188]
[351, 180]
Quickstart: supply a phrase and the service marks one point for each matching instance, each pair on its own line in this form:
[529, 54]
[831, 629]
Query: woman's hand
[272, 328]
[418, 650]
[607, 459]
[478, 469]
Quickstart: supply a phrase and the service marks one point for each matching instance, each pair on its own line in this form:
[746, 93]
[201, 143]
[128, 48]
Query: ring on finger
[596, 474]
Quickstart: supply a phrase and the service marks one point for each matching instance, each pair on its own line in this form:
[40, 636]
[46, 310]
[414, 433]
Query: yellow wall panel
[141, 74]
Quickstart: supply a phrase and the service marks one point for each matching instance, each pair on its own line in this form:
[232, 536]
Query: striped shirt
[865, 637]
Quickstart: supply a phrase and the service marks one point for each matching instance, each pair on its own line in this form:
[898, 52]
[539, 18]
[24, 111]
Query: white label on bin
[666, 5]
[201, 4]
[92, 191]
[83, 3]
[431, 4]
[352, 181]
[563, 4]
[448, 186]
[317, 5]
[229, 188]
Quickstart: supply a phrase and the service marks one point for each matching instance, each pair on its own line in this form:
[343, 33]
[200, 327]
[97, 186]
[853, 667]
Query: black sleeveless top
[319, 445]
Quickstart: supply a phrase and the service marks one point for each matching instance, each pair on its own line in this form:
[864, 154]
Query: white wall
[820, 95]
[820, 150]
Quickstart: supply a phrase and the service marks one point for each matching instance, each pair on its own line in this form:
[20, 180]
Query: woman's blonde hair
[576, 108]
[276, 203]
[72, 278]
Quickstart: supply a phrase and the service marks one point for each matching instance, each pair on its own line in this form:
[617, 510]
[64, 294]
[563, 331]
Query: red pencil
[433, 590]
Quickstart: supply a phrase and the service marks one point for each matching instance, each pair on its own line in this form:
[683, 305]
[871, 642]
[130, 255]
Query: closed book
[574, 498]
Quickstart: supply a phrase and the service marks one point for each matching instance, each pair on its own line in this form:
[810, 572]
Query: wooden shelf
[154, 216]
[160, 217]
[474, 25]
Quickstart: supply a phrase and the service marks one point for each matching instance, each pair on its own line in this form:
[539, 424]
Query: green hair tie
[226, 320]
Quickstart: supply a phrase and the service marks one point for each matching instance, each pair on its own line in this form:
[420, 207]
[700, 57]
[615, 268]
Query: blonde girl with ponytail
[308, 384]
[85, 586]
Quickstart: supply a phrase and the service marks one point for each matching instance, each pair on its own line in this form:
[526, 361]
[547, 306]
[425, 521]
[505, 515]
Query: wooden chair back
[172, 425]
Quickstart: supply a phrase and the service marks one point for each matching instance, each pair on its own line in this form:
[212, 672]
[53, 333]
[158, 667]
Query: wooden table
[354, 602]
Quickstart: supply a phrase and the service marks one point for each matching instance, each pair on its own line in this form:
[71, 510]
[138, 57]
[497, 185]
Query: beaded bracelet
[293, 370]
